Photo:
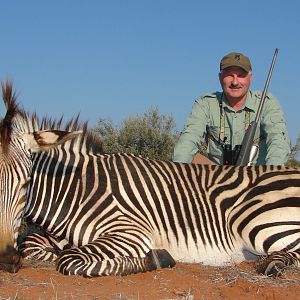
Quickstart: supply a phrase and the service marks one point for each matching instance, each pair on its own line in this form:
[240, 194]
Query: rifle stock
[244, 155]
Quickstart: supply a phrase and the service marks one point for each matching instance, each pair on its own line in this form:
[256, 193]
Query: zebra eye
[26, 181]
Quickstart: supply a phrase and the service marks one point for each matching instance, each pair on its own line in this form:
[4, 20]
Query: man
[220, 119]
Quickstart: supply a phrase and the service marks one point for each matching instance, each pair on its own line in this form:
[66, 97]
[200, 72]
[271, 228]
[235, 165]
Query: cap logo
[237, 57]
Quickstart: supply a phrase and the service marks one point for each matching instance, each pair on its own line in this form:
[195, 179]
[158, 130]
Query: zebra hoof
[160, 258]
[271, 268]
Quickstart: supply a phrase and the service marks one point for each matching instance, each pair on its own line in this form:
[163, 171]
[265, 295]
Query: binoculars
[230, 155]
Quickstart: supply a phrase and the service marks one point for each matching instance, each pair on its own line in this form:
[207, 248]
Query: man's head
[235, 77]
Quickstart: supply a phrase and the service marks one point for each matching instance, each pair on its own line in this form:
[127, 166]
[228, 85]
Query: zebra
[118, 214]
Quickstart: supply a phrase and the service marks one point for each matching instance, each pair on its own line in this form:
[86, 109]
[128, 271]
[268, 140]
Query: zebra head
[18, 140]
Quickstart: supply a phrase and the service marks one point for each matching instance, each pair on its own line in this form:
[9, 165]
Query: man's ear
[220, 76]
[250, 77]
[47, 139]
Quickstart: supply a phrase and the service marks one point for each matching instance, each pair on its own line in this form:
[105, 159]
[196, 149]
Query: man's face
[235, 83]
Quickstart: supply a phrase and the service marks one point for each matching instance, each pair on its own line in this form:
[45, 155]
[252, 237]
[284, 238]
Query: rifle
[248, 150]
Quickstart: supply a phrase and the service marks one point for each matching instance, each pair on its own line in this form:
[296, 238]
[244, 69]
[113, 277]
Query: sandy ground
[184, 282]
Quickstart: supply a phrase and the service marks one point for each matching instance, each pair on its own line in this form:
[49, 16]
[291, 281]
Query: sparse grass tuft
[229, 275]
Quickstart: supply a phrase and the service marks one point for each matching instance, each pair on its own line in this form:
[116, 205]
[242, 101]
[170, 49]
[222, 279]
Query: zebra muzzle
[10, 260]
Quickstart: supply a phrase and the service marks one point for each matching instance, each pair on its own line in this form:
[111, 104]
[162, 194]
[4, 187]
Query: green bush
[151, 135]
[293, 162]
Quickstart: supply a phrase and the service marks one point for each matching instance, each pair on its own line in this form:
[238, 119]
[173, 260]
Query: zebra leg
[42, 247]
[82, 262]
[275, 264]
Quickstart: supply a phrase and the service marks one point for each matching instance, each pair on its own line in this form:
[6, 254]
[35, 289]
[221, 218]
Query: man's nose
[234, 80]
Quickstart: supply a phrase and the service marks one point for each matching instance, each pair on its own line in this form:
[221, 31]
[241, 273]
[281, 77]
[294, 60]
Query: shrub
[151, 135]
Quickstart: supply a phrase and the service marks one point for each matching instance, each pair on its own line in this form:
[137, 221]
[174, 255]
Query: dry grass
[230, 275]
[199, 276]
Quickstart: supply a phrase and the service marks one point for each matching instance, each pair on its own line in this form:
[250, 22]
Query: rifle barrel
[244, 156]
[266, 87]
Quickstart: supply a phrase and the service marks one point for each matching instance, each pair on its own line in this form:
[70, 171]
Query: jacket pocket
[277, 119]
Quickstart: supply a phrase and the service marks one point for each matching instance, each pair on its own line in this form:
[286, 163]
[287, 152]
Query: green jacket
[204, 125]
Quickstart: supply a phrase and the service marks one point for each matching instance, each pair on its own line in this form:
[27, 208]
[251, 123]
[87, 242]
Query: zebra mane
[16, 117]
[9, 98]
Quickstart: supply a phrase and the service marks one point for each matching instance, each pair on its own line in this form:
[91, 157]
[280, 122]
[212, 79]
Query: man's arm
[202, 160]
[275, 129]
[193, 132]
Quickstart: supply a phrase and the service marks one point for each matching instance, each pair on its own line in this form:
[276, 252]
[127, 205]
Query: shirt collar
[249, 103]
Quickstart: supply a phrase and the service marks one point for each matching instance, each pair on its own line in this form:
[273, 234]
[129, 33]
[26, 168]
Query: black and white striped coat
[120, 214]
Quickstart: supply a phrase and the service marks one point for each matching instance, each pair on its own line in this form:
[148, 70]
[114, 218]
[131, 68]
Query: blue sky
[117, 58]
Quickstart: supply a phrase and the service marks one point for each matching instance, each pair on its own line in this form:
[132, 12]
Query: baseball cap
[235, 59]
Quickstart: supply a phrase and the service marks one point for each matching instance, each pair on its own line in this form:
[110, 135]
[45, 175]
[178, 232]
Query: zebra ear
[47, 139]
